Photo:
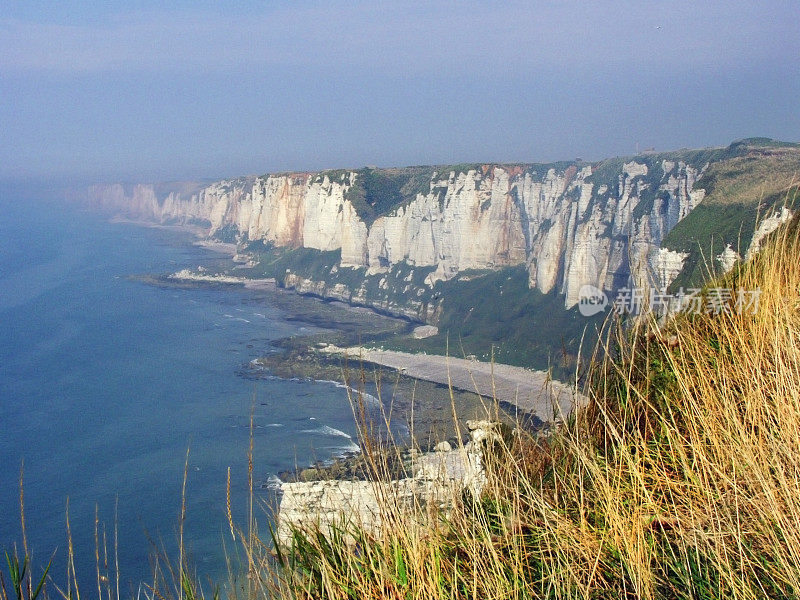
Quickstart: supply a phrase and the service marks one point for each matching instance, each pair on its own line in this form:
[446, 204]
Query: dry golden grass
[680, 479]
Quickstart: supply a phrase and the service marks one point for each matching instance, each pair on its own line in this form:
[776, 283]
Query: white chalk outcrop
[765, 227]
[435, 478]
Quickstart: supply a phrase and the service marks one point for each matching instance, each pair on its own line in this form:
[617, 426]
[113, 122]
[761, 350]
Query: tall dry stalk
[181, 559]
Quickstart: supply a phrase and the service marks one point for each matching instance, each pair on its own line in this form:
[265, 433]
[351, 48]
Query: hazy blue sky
[135, 91]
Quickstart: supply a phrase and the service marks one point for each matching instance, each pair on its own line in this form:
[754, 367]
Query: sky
[97, 92]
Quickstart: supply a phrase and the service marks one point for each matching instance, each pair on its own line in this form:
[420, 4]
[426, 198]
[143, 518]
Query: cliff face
[570, 224]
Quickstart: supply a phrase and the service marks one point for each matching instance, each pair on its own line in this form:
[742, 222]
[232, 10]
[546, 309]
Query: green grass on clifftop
[740, 192]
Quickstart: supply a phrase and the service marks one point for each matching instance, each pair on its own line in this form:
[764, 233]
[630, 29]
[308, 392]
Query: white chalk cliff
[570, 225]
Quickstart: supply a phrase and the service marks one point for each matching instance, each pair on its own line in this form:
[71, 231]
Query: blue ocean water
[106, 381]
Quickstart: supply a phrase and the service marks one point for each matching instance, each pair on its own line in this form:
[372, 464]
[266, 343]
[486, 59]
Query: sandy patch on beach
[531, 391]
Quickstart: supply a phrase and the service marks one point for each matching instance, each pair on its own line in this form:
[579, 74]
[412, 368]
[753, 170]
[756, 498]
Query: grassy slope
[740, 191]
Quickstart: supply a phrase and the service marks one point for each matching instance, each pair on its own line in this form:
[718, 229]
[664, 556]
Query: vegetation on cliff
[759, 177]
[744, 183]
[519, 326]
[678, 479]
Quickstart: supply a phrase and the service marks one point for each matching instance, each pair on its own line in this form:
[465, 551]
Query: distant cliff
[394, 239]
[570, 224]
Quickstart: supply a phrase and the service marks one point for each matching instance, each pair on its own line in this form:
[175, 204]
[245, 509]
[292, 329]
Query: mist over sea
[106, 381]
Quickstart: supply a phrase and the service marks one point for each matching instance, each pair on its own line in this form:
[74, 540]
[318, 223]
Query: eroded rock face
[274, 211]
[424, 331]
[766, 227]
[409, 307]
[569, 227]
[436, 478]
[667, 264]
[728, 258]
[466, 221]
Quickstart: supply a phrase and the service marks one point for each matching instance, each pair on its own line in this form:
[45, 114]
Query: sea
[106, 383]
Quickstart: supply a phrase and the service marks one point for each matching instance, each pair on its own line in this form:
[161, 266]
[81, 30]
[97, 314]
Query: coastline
[187, 276]
[532, 392]
[425, 389]
[196, 230]
[220, 247]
